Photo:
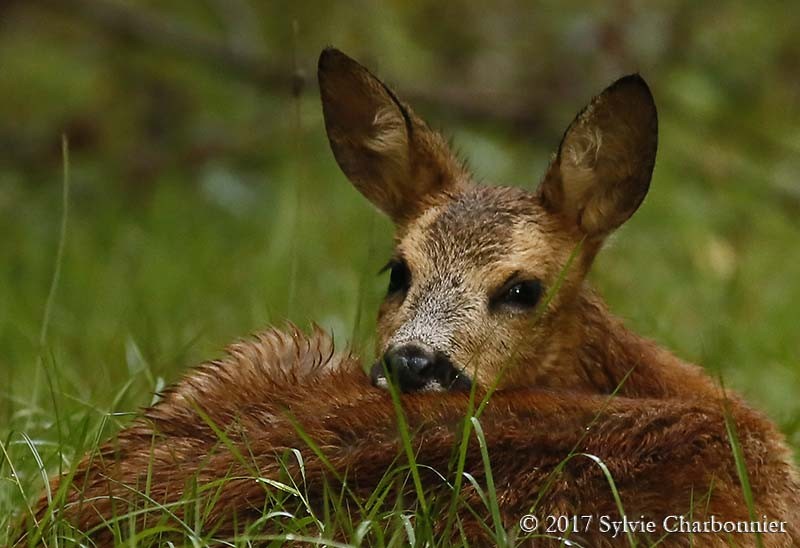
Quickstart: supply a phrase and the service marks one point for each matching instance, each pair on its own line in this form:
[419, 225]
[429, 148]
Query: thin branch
[145, 28]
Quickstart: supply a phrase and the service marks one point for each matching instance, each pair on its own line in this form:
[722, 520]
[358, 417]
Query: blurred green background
[204, 202]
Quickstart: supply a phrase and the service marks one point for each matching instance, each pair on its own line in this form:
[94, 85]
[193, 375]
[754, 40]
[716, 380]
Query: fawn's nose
[410, 365]
[416, 367]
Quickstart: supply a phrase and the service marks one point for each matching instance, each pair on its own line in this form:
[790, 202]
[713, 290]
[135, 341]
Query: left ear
[388, 153]
[602, 170]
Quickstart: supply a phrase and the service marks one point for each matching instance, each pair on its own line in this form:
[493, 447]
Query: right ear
[602, 170]
[387, 152]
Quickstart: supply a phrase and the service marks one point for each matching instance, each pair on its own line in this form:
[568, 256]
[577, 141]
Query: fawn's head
[479, 283]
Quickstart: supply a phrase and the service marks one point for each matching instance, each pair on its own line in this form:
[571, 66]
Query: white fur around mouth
[381, 382]
[431, 386]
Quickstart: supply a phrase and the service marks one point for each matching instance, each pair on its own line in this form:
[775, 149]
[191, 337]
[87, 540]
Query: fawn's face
[482, 278]
[467, 279]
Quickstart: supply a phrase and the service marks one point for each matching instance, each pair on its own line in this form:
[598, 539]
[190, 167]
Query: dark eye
[521, 294]
[399, 278]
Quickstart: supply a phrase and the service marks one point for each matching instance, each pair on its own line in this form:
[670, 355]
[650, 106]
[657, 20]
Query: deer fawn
[486, 289]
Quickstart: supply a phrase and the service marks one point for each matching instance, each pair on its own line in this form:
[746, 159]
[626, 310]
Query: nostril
[410, 363]
[411, 357]
[395, 361]
[418, 363]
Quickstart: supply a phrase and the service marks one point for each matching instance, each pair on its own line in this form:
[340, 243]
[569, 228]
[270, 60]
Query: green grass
[200, 208]
[98, 313]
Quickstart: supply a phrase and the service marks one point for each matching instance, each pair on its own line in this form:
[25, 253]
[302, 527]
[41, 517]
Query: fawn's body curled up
[669, 455]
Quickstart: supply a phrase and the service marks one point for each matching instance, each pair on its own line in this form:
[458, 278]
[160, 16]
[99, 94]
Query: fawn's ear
[602, 170]
[387, 152]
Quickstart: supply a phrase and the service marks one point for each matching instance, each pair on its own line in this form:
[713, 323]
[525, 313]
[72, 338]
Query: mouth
[441, 376]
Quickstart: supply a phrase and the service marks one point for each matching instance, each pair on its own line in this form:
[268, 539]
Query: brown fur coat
[667, 456]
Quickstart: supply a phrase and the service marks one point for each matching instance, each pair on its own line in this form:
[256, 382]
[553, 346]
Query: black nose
[415, 366]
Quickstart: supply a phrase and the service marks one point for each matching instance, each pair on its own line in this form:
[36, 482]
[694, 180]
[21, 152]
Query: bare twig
[124, 21]
[135, 24]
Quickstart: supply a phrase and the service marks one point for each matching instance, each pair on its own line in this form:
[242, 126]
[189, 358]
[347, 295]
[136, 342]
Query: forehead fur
[478, 223]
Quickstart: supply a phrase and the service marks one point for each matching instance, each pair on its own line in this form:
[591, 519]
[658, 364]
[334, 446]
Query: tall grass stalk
[56, 278]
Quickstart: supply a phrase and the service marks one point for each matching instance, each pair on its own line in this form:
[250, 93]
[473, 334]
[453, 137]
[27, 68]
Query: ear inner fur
[389, 154]
[602, 170]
